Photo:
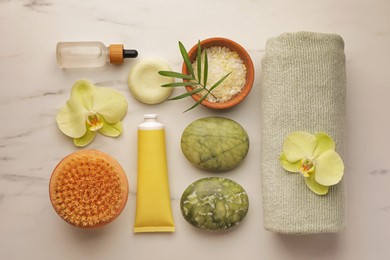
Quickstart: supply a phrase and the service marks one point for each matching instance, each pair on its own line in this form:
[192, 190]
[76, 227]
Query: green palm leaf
[205, 68]
[186, 59]
[187, 94]
[180, 84]
[199, 61]
[175, 75]
[199, 81]
[197, 103]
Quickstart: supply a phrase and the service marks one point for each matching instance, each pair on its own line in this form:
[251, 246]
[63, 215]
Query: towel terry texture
[304, 87]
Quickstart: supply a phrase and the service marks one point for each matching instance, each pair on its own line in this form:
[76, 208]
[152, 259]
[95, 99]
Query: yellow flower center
[94, 121]
[307, 167]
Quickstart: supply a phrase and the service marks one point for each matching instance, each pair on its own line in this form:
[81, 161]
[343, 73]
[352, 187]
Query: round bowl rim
[232, 45]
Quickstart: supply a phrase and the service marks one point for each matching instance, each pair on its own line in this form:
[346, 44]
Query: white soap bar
[145, 82]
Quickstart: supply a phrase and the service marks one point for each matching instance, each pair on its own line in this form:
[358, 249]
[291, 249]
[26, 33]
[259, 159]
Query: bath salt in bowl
[224, 56]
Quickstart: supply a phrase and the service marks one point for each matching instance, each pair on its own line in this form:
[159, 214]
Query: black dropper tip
[130, 53]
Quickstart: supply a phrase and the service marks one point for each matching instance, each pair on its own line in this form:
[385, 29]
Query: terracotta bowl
[250, 73]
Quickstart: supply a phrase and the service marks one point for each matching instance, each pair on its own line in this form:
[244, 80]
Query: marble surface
[33, 88]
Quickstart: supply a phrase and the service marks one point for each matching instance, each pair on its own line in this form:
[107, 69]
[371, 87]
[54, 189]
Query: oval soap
[214, 203]
[215, 143]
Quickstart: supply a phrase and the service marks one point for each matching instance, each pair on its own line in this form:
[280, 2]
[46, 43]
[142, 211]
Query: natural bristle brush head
[88, 189]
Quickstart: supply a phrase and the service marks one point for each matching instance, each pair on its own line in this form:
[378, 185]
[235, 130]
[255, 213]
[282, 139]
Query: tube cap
[116, 53]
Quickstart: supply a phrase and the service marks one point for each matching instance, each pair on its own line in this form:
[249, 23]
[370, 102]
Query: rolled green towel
[304, 88]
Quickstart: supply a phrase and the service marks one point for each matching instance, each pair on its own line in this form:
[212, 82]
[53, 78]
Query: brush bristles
[88, 191]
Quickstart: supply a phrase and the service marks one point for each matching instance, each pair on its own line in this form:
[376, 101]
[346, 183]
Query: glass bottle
[91, 54]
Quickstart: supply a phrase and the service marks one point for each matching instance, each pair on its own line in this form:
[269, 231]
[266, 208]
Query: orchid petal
[299, 145]
[112, 130]
[329, 168]
[85, 139]
[71, 119]
[109, 103]
[315, 186]
[324, 143]
[82, 92]
[289, 166]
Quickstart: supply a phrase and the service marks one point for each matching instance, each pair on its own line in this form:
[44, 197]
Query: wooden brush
[88, 189]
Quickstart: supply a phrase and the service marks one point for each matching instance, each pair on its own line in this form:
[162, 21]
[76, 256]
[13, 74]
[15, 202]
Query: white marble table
[33, 88]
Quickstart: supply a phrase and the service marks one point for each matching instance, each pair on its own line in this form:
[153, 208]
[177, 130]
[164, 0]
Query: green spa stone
[215, 143]
[214, 204]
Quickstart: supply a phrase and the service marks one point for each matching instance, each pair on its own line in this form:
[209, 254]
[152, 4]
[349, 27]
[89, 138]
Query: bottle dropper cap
[117, 53]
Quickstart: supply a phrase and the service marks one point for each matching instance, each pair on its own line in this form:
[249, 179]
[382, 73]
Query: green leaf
[199, 62]
[186, 59]
[315, 186]
[219, 82]
[299, 145]
[205, 68]
[197, 103]
[173, 74]
[329, 168]
[187, 94]
[194, 81]
[180, 84]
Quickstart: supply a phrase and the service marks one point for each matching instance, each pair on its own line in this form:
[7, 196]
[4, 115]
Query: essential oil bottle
[91, 54]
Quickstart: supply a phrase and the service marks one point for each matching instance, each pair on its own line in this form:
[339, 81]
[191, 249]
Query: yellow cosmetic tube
[153, 211]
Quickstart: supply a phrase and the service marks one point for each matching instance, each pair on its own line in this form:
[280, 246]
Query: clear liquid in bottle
[91, 54]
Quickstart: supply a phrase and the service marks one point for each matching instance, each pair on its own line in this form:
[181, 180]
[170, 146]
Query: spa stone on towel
[304, 85]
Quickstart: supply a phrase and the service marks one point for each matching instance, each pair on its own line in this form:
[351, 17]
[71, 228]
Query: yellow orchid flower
[89, 110]
[315, 158]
